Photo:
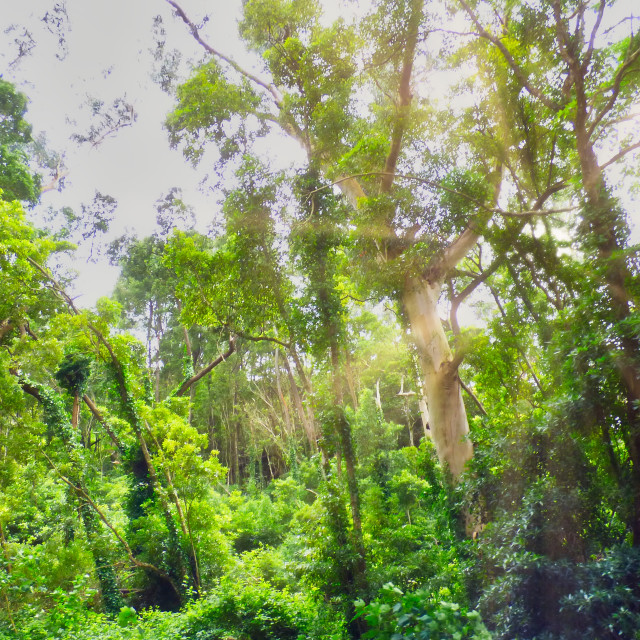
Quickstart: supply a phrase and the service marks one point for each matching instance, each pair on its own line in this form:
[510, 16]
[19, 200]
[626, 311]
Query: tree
[16, 178]
[314, 94]
[584, 82]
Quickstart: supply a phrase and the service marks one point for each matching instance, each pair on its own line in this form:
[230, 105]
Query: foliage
[17, 182]
[396, 615]
[73, 373]
[563, 599]
[248, 610]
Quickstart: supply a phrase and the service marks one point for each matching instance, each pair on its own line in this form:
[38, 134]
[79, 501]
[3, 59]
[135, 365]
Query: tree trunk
[447, 414]
[306, 420]
[602, 221]
[109, 591]
[235, 461]
[75, 411]
[343, 429]
[59, 423]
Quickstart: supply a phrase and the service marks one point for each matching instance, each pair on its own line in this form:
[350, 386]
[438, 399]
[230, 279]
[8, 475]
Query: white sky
[109, 56]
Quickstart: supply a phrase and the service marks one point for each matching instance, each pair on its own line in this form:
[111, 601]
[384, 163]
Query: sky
[109, 55]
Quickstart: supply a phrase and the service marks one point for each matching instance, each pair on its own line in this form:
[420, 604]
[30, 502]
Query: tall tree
[316, 94]
[578, 68]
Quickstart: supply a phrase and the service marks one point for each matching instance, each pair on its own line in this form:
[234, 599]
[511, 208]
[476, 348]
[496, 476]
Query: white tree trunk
[447, 415]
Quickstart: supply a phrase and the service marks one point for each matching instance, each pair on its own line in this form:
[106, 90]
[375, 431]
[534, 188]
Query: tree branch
[620, 155]
[458, 249]
[615, 89]
[84, 496]
[472, 286]
[535, 211]
[103, 421]
[204, 371]
[246, 336]
[548, 192]
[620, 120]
[26, 387]
[404, 93]
[592, 39]
[60, 292]
[515, 67]
[473, 396]
[67, 298]
[232, 63]
[59, 175]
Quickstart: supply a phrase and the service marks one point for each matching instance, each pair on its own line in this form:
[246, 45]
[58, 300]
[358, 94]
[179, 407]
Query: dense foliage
[269, 432]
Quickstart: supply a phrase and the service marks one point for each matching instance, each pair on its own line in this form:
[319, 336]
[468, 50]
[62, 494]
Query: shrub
[243, 610]
[396, 615]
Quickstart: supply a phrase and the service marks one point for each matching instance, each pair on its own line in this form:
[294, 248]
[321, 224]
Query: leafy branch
[195, 32]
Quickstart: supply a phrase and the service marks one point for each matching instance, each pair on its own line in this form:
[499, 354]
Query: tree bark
[75, 410]
[206, 370]
[306, 420]
[60, 425]
[447, 414]
[602, 220]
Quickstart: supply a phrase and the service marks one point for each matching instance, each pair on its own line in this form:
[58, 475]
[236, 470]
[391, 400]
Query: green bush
[396, 615]
[249, 610]
[537, 597]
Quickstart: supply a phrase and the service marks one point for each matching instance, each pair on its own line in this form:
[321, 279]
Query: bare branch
[627, 118]
[594, 31]
[232, 63]
[204, 371]
[473, 396]
[246, 336]
[614, 26]
[620, 155]
[456, 33]
[533, 212]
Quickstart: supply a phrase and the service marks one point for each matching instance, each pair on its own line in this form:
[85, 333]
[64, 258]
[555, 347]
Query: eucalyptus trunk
[447, 415]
